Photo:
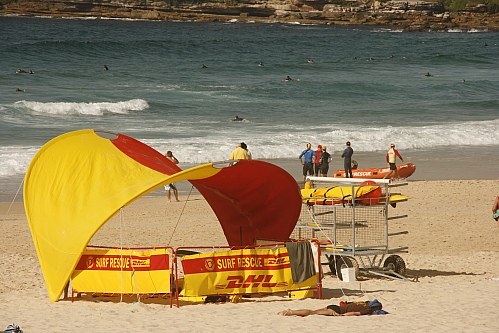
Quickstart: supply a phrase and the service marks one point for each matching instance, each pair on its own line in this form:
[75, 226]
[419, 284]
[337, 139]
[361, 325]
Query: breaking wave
[73, 108]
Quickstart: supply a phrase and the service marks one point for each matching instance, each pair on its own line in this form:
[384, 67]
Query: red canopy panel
[253, 200]
[145, 154]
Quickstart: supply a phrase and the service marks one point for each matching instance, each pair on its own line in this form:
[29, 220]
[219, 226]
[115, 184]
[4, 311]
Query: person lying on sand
[344, 309]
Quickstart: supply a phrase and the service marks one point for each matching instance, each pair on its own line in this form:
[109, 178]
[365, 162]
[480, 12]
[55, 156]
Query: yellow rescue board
[337, 192]
[399, 198]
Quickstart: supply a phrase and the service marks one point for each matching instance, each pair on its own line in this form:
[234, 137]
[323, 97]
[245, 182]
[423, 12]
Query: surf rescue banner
[123, 272]
[239, 272]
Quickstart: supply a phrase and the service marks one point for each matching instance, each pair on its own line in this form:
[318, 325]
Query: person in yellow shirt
[239, 153]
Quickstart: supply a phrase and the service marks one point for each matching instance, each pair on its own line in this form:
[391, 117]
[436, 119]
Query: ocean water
[366, 85]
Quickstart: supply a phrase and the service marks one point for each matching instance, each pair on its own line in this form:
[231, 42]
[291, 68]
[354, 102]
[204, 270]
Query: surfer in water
[237, 118]
[288, 78]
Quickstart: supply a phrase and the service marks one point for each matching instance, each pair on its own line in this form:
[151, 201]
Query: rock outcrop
[404, 15]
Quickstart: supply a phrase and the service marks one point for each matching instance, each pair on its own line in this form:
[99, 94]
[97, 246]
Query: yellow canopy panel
[78, 181]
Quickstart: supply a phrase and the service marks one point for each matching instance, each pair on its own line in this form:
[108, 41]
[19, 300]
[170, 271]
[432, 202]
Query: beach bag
[13, 328]
[216, 299]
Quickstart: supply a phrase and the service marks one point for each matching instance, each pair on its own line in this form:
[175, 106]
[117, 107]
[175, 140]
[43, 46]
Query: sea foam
[95, 109]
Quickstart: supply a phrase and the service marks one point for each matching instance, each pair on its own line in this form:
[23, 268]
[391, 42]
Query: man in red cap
[317, 163]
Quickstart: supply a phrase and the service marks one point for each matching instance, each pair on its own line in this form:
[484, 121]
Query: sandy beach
[453, 256]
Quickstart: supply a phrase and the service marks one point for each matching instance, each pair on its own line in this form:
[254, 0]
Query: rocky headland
[400, 15]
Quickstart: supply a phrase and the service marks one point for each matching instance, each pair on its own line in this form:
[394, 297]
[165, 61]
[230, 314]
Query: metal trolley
[354, 232]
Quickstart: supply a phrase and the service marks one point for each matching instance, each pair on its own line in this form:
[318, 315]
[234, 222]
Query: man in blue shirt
[307, 159]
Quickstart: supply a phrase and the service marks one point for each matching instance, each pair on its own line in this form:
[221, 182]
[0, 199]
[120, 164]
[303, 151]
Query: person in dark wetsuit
[324, 161]
[347, 162]
[236, 118]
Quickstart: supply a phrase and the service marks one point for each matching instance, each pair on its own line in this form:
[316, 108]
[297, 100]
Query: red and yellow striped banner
[239, 272]
[123, 272]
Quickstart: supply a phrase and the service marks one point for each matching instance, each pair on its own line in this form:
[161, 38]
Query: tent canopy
[79, 180]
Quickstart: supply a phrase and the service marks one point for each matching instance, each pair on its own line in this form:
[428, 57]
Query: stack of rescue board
[367, 193]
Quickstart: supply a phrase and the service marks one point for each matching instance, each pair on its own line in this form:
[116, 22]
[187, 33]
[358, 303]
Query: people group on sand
[317, 162]
[240, 153]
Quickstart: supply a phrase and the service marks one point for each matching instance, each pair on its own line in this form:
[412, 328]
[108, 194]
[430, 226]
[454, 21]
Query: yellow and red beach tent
[79, 180]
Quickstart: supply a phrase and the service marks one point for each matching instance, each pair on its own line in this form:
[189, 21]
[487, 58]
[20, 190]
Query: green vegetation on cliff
[490, 6]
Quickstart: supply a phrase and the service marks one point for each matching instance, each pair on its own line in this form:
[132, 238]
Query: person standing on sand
[391, 157]
[307, 159]
[317, 162]
[347, 162]
[171, 186]
[324, 161]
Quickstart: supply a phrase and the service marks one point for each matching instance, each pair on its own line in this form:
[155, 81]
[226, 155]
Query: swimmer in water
[236, 118]
[428, 74]
[288, 78]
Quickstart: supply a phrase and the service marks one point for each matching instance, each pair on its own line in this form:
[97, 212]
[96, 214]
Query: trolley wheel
[395, 263]
[346, 262]
[331, 264]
